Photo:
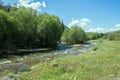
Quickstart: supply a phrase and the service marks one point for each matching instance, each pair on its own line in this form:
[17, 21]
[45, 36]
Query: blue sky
[91, 15]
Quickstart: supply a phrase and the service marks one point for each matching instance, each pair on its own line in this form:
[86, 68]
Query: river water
[15, 63]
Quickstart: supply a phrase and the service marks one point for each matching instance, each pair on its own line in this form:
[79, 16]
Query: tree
[94, 35]
[115, 35]
[49, 30]
[27, 27]
[74, 35]
[23, 28]
[7, 31]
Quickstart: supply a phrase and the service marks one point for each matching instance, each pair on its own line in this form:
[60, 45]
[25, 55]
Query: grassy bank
[102, 62]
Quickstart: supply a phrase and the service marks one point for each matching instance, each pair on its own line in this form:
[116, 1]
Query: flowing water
[15, 63]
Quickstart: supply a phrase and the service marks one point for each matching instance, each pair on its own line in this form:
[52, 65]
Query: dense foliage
[115, 35]
[74, 35]
[94, 35]
[49, 29]
[23, 28]
[8, 31]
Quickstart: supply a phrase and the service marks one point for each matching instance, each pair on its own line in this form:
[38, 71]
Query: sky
[91, 15]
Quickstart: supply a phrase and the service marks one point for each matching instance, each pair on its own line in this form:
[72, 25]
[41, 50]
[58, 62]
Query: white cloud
[103, 30]
[81, 23]
[25, 1]
[85, 24]
[117, 27]
[97, 29]
[31, 4]
[44, 4]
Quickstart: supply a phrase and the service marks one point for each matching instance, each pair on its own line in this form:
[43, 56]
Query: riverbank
[102, 62]
[21, 52]
[16, 64]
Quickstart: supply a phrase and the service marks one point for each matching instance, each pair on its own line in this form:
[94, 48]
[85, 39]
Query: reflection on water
[14, 62]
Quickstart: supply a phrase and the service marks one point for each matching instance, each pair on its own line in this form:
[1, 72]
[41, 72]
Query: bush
[74, 35]
[49, 30]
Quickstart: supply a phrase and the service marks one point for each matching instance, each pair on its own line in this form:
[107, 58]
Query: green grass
[100, 64]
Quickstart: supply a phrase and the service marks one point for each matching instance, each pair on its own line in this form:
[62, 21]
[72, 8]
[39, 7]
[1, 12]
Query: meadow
[101, 62]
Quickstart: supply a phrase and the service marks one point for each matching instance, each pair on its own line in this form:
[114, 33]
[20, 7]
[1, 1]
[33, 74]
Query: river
[14, 64]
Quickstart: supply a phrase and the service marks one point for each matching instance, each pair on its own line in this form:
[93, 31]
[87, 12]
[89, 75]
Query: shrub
[74, 35]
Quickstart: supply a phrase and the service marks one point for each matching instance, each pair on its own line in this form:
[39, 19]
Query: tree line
[113, 35]
[24, 28]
